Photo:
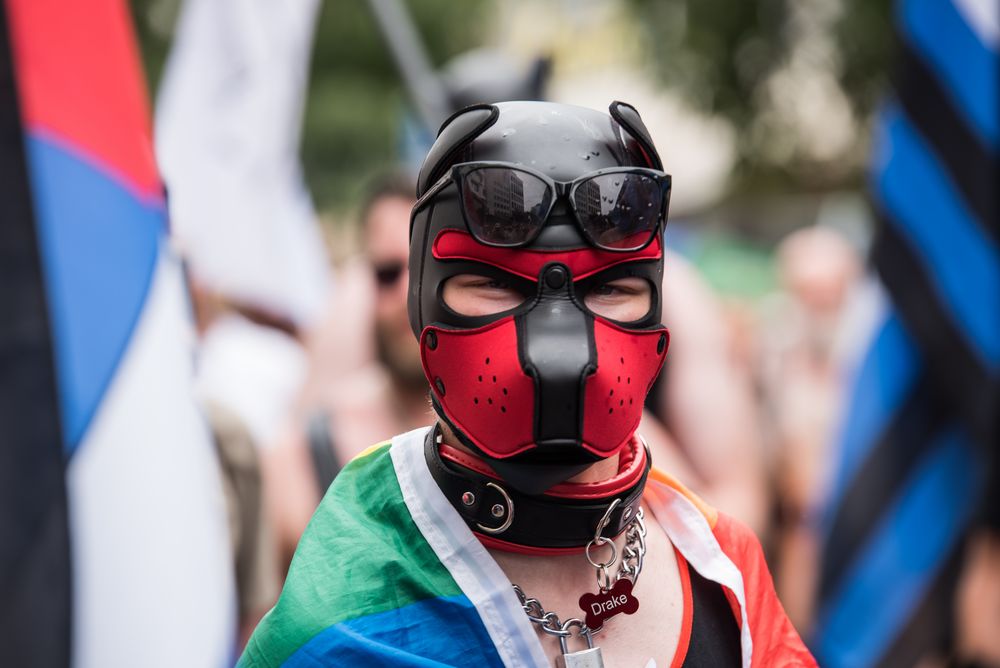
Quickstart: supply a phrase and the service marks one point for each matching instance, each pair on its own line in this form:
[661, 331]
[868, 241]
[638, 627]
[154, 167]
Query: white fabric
[254, 371]
[152, 567]
[983, 16]
[472, 567]
[690, 533]
[485, 584]
[228, 124]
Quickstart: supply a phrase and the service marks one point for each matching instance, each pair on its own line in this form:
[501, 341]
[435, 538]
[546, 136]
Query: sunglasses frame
[567, 189]
[397, 269]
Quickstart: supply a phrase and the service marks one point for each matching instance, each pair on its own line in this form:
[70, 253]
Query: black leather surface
[539, 520]
[564, 143]
[555, 341]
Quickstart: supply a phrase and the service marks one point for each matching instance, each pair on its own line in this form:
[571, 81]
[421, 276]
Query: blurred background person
[802, 370]
[228, 126]
[365, 358]
[703, 378]
[366, 376]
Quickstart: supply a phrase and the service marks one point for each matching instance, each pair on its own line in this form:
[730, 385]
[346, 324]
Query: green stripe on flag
[361, 554]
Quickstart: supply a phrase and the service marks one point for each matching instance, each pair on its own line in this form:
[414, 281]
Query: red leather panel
[487, 394]
[527, 263]
[627, 364]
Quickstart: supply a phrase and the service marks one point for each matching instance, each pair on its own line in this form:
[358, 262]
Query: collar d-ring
[605, 520]
[509, 511]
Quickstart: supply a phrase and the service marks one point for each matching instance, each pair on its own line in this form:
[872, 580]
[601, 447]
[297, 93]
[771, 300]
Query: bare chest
[626, 640]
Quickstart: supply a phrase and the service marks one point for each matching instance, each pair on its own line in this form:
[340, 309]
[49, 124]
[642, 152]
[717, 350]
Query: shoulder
[775, 640]
[666, 480]
[736, 539]
[361, 555]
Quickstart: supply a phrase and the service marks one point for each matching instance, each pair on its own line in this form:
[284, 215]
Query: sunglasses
[618, 209]
[388, 274]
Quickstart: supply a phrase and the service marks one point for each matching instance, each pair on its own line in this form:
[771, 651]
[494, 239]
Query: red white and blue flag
[114, 548]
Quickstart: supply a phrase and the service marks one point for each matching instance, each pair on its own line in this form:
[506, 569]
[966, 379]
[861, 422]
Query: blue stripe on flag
[961, 260]
[444, 631]
[883, 382]
[903, 556]
[99, 243]
[965, 66]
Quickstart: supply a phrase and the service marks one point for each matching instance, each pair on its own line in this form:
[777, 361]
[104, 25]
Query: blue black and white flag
[918, 459]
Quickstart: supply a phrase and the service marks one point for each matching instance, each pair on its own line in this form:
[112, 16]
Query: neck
[412, 407]
[602, 470]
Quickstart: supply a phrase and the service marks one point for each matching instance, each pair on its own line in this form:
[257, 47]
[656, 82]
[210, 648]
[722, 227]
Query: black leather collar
[498, 511]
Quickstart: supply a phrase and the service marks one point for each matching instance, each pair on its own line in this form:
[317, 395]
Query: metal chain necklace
[614, 593]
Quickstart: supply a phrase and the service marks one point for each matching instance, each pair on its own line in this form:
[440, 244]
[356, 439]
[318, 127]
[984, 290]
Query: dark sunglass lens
[503, 206]
[386, 275]
[619, 211]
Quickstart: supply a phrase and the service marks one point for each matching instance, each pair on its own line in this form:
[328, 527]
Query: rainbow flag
[388, 573]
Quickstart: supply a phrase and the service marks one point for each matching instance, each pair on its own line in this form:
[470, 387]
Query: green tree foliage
[356, 98]
[721, 53]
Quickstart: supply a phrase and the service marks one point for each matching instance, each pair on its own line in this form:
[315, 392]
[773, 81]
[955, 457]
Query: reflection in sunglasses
[618, 209]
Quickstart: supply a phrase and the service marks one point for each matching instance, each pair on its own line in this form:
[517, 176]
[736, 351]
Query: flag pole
[423, 84]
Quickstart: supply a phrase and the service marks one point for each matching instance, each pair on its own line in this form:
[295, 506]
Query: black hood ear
[455, 135]
[628, 118]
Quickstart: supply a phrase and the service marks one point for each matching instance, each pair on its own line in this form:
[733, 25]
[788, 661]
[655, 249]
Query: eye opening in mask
[624, 299]
[478, 293]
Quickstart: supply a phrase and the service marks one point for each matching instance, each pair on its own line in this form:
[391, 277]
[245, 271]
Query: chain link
[631, 565]
[634, 551]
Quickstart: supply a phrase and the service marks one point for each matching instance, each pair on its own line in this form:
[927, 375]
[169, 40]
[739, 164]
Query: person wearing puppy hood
[527, 526]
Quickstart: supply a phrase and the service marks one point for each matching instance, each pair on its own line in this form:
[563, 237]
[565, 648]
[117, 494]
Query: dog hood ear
[454, 137]
[629, 118]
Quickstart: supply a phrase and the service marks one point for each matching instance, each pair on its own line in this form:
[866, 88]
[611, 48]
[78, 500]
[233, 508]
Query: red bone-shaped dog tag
[601, 607]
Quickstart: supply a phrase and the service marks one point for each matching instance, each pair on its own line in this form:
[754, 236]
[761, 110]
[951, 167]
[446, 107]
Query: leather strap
[496, 511]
